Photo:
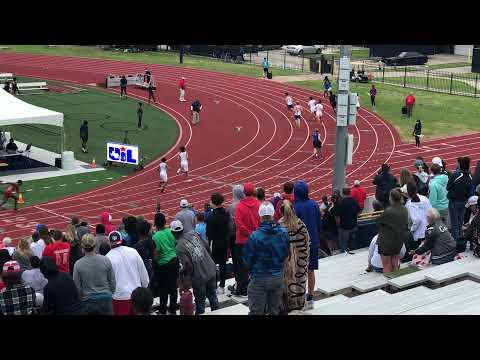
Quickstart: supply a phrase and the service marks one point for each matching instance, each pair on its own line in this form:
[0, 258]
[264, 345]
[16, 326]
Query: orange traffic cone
[20, 199]
[93, 164]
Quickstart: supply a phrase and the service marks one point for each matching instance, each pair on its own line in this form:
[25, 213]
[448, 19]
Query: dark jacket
[61, 296]
[123, 82]
[267, 248]
[348, 210]
[385, 182]
[460, 187]
[218, 233]
[196, 106]
[308, 211]
[392, 230]
[439, 240]
[417, 129]
[84, 132]
[476, 175]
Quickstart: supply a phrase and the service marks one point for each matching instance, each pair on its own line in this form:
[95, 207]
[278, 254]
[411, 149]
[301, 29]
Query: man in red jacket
[410, 102]
[287, 195]
[359, 194]
[247, 221]
[181, 85]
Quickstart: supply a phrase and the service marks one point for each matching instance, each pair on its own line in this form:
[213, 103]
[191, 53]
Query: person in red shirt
[12, 190]
[287, 195]
[410, 102]
[247, 221]
[59, 252]
[359, 194]
[181, 85]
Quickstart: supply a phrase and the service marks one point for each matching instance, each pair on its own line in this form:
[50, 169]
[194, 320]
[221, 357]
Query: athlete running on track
[289, 101]
[317, 144]
[319, 110]
[183, 161]
[11, 190]
[311, 105]
[297, 113]
[163, 174]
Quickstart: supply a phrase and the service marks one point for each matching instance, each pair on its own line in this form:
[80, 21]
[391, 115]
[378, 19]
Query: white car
[304, 49]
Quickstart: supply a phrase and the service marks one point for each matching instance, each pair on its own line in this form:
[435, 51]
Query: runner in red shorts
[11, 190]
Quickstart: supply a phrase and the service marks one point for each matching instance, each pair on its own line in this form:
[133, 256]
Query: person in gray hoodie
[238, 195]
[198, 265]
[438, 193]
[186, 216]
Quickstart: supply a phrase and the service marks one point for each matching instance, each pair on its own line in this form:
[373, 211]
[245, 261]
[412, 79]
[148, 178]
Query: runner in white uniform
[297, 113]
[183, 161]
[163, 174]
[311, 105]
[319, 110]
[289, 101]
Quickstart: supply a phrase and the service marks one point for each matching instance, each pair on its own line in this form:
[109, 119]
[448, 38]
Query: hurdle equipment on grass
[114, 80]
[4, 77]
[20, 199]
[33, 86]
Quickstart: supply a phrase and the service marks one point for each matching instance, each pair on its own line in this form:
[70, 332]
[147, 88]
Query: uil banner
[122, 153]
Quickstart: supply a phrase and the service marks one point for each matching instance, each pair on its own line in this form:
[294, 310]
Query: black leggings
[372, 99]
[123, 90]
[417, 141]
[151, 95]
[221, 260]
[166, 279]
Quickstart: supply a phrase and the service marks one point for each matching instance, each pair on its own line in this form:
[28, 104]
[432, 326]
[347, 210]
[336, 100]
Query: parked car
[406, 58]
[304, 49]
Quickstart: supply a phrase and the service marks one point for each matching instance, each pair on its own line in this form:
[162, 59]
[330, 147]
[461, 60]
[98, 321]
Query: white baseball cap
[356, 182]
[266, 209]
[183, 203]
[472, 200]
[277, 195]
[176, 226]
[437, 160]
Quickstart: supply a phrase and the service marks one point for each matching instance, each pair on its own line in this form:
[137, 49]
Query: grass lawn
[160, 57]
[449, 65]
[440, 83]
[356, 54]
[108, 116]
[441, 114]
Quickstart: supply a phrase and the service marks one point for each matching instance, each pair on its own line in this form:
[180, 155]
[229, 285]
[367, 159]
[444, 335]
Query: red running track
[268, 151]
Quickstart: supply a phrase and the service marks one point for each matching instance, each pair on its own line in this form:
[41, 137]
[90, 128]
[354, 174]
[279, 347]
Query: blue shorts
[290, 106]
[313, 260]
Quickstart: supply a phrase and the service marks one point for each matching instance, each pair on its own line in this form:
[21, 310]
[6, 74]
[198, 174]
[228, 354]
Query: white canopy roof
[15, 111]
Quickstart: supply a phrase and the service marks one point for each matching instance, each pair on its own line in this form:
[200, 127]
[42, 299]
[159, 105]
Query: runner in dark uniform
[317, 144]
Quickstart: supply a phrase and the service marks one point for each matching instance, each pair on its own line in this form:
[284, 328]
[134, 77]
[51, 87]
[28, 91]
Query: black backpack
[422, 188]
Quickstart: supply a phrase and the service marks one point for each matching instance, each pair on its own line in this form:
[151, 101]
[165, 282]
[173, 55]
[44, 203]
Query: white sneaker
[220, 290]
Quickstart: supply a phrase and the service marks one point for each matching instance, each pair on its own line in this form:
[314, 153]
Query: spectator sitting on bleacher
[417, 206]
[374, 258]
[437, 239]
[385, 182]
[392, 232]
[11, 146]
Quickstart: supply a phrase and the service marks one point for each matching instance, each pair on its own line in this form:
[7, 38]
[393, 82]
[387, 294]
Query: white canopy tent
[14, 111]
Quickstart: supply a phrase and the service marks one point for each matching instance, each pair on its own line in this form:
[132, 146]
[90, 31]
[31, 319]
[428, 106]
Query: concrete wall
[463, 50]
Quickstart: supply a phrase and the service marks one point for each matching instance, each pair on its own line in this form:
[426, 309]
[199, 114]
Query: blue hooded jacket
[266, 250]
[308, 211]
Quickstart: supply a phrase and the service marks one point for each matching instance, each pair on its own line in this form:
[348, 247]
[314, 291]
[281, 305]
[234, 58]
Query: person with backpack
[385, 182]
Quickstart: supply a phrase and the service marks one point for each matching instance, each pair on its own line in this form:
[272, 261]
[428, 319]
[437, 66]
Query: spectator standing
[142, 301]
[359, 194]
[37, 245]
[166, 266]
[421, 178]
[417, 132]
[84, 136]
[459, 189]
[182, 89]
[296, 266]
[151, 92]
[309, 212]
[265, 253]
[15, 90]
[373, 95]
[237, 194]
[260, 194]
[197, 263]
[287, 195]
[7, 244]
[129, 271]
[346, 218]
[201, 227]
[265, 66]
[392, 232]
[16, 298]
[34, 277]
[405, 178]
[476, 175]
[438, 240]
[186, 216]
[44, 235]
[100, 236]
[438, 193]
[22, 254]
[106, 220]
[60, 295]
[217, 233]
[59, 252]
[385, 182]
[123, 86]
[195, 108]
[207, 210]
[276, 198]
[145, 246]
[417, 206]
[246, 221]
[410, 103]
[329, 224]
[95, 280]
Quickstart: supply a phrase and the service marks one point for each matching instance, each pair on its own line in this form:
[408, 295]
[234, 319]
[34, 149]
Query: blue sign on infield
[122, 153]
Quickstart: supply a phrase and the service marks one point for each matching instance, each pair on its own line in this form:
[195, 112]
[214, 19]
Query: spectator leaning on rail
[385, 182]
[392, 232]
[438, 240]
[309, 212]
[438, 193]
[459, 189]
[264, 255]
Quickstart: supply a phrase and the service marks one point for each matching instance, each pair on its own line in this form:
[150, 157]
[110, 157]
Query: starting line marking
[449, 145]
[429, 148]
[403, 153]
